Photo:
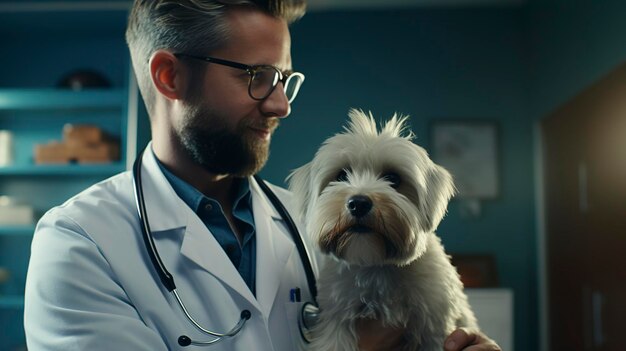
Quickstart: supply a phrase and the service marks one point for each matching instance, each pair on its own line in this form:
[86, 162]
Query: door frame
[540, 223]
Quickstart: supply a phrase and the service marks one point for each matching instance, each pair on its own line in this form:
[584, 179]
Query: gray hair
[188, 26]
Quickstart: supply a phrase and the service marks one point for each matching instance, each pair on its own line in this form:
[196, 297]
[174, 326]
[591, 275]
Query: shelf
[40, 99]
[69, 170]
[11, 301]
[25, 230]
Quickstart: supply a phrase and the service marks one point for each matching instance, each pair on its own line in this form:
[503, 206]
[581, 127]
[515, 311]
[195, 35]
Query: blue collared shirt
[243, 256]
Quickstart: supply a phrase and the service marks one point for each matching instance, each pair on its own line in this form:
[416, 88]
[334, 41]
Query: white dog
[371, 201]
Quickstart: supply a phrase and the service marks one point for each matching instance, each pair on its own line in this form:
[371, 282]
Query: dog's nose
[359, 205]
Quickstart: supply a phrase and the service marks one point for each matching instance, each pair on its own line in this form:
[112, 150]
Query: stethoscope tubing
[295, 234]
[245, 315]
[168, 280]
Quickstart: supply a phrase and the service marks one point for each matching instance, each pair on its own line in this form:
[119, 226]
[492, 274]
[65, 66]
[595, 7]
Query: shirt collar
[193, 197]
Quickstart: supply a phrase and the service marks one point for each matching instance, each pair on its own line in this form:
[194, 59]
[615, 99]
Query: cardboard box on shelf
[82, 134]
[52, 152]
[81, 144]
[93, 153]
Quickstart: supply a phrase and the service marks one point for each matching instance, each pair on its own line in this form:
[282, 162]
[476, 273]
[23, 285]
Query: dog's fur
[386, 263]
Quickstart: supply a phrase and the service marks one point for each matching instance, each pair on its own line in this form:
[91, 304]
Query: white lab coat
[91, 285]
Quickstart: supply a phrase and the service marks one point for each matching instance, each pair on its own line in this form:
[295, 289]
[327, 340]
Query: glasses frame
[282, 77]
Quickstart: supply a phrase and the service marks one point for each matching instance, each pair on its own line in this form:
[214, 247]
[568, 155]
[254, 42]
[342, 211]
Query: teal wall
[510, 65]
[430, 64]
[574, 43]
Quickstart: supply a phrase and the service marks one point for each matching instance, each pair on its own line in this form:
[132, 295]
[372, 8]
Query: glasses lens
[292, 85]
[263, 82]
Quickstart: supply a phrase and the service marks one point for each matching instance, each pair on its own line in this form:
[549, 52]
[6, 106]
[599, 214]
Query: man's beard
[221, 151]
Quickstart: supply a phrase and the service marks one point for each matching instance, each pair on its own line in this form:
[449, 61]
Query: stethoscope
[309, 312]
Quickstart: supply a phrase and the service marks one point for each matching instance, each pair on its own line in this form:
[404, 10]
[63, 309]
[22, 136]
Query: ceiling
[373, 4]
[312, 5]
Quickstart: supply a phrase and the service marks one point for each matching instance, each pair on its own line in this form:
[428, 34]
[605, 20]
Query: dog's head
[371, 197]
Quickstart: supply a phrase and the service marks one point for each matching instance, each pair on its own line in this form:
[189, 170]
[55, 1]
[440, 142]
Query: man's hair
[196, 26]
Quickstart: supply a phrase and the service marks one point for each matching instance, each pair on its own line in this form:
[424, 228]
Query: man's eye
[264, 77]
[393, 178]
[342, 176]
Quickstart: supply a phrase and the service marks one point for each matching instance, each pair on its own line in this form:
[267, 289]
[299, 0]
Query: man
[216, 79]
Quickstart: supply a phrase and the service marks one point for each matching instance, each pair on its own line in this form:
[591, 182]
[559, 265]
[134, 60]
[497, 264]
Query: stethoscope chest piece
[309, 317]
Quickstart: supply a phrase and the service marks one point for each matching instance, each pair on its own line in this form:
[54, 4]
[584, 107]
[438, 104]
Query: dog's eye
[342, 176]
[392, 178]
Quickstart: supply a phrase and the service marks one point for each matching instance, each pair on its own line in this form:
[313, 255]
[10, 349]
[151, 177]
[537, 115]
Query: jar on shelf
[6, 148]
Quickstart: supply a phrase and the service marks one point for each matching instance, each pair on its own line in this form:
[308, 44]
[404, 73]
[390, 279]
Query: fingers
[469, 340]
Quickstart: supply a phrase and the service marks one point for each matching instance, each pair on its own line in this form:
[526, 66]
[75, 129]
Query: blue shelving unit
[24, 230]
[12, 302]
[66, 170]
[44, 42]
[60, 99]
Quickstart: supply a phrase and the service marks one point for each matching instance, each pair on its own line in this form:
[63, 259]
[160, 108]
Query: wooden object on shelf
[82, 134]
[52, 152]
[94, 153]
[82, 144]
[4, 275]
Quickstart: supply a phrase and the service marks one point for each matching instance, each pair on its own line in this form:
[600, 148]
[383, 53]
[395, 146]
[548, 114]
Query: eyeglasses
[263, 78]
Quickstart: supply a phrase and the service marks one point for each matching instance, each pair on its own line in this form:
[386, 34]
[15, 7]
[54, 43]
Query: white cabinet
[494, 310]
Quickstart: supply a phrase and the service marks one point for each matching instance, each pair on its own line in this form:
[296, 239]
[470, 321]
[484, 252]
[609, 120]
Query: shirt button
[208, 207]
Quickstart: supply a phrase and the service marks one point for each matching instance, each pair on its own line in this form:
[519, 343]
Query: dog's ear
[439, 189]
[300, 185]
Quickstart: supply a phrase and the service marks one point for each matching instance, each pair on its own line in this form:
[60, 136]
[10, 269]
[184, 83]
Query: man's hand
[469, 340]
[373, 336]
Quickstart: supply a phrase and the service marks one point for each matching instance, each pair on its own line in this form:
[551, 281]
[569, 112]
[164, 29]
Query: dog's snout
[359, 205]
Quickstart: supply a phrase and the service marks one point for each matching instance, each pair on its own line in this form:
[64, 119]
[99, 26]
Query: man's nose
[276, 104]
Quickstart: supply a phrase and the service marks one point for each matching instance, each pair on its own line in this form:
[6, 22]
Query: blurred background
[523, 101]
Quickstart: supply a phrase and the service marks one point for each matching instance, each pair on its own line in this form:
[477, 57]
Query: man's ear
[166, 74]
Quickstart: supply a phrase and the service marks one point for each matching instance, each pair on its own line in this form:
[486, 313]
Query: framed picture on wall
[468, 149]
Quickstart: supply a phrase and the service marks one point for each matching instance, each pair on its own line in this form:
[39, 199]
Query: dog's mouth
[359, 228]
[337, 243]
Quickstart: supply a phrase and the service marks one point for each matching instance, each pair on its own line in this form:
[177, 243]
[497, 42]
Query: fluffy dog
[371, 201]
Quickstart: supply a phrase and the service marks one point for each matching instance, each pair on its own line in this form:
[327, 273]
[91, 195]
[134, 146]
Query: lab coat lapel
[166, 212]
[199, 245]
[164, 208]
[274, 246]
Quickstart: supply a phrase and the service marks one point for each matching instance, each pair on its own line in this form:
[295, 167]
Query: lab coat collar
[167, 211]
[162, 199]
[274, 247]
[264, 203]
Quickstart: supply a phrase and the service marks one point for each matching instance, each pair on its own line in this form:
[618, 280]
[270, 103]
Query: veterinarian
[188, 251]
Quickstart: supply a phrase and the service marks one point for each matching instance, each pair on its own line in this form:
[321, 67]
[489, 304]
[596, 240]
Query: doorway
[584, 178]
